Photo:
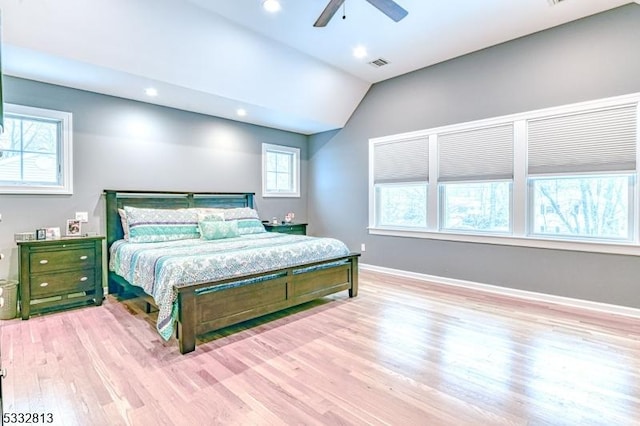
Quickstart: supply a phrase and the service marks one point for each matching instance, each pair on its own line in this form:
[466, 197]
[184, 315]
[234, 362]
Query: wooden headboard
[166, 200]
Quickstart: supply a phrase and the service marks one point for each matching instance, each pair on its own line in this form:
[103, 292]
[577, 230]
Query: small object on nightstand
[60, 273]
[288, 218]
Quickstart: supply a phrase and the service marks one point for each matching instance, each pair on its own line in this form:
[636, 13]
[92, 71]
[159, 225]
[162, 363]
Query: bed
[201, 305]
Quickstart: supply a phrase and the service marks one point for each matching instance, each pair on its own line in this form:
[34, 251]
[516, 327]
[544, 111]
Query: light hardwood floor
[403, 352]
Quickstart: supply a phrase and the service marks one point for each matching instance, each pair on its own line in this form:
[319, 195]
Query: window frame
[295, 173]
[64, 154]
[520, 188]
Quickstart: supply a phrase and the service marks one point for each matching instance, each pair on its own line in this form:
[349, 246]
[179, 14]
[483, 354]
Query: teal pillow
[216, 229]
[156, 225]
[250, 226]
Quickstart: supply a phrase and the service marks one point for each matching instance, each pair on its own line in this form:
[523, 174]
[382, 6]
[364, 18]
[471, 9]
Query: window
[585, 206]
[564, 153]
[475, 175]
[280, 171]
[401, 173]
[476, 206]
[35, 151]
[403, 205]
[563, 177]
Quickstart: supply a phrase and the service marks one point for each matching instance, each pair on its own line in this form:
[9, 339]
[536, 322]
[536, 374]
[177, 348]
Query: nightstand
[287, 228]
[60, 273]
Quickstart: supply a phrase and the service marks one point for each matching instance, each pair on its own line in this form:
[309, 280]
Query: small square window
[35, 151]
[280, 171]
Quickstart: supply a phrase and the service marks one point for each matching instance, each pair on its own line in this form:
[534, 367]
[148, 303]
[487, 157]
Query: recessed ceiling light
[360, 52]
[271, 5]
[151, 91]
[241, 112]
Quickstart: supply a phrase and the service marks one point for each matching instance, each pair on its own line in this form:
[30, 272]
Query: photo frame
[41, 234]
[53, 233]
[73, 228]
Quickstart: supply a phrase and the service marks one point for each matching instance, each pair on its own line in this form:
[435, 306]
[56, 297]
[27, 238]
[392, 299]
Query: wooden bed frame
[208, 306]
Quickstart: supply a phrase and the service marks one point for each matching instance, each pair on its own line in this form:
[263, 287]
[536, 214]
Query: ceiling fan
[390, 8]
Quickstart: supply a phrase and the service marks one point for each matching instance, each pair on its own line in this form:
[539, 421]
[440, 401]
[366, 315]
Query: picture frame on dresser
[73, 228]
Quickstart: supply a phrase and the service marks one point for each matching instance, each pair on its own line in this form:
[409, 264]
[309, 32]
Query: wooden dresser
[60, 273]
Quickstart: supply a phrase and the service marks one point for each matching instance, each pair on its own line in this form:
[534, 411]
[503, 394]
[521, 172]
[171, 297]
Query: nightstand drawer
[46, 261]
[291, 229]
[62, 283]
[294, 228]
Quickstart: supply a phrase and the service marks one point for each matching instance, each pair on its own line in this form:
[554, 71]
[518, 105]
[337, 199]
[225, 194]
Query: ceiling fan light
[271, 5]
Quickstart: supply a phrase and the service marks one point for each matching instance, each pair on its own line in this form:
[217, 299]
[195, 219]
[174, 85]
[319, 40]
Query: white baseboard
[521, 294]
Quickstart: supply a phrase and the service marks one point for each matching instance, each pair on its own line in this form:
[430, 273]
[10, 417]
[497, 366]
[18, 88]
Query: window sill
[35, 190]
[630, 249]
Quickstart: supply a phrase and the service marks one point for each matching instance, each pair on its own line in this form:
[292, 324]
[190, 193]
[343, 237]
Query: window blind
[589, 141]
[401, 161]
[476, 154]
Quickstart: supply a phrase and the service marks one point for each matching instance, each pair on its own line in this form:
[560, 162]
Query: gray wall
[589, 59]
[122, 144]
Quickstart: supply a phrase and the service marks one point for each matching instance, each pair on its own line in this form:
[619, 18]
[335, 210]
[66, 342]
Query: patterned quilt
[158, 267]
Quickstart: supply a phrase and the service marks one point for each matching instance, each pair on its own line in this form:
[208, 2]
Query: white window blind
[476, 154]
[589, 141]
[401, 161]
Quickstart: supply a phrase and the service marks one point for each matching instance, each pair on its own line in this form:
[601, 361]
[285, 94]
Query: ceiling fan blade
[390, 8]
[328, 13]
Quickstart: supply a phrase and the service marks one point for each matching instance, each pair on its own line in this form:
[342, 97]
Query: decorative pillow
[213, 217]
[217, 229]
[155, 225]
[250, 226]
[207, 213]
[125, 225]
[240, 213]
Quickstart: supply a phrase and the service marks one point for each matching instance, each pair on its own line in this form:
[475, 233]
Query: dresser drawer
[46, 285]
[74, 258]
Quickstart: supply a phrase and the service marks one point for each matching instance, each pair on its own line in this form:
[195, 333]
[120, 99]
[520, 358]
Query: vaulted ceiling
[215, 57]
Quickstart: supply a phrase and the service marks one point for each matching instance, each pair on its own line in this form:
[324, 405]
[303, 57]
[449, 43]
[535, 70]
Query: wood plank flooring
[404, 352]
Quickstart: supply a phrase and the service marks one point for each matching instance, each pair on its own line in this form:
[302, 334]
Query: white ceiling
[215, 56]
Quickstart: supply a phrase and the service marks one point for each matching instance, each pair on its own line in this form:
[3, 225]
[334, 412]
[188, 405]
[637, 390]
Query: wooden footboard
[205, 308]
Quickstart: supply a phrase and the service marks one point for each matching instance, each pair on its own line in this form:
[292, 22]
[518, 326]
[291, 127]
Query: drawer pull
[44, 261]
[84, 279]
[44, 284]
[83, 257]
